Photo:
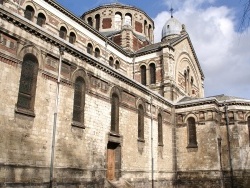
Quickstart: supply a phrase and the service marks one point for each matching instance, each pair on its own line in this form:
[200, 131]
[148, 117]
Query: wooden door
[111, 164]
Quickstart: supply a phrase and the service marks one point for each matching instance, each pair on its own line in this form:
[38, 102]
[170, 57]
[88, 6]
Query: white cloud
[222, 51]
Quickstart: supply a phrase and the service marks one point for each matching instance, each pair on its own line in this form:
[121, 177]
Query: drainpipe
[152, 146]
[61, 50]
[221, 171]
[229, 147]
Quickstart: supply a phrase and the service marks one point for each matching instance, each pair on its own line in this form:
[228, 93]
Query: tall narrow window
[128, 19]
[192, 140]
[185, 80]
[90, 21]
[97, 22]
[1, 2]
[160, 135]
[27, 86]
[90, 48]
[97, 53]
[145, 27]
[248, 122]
[111, 61]
[41, 19]
[117, 64]
[143, 74]
[140, 122]
[152, 73]
[72, 37]
[79, 101]
[118, 21]
[149, 32]
[63, 32]
[29, 12]
[115, 113]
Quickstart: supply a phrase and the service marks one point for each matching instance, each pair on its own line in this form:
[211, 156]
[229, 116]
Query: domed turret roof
[171, 28]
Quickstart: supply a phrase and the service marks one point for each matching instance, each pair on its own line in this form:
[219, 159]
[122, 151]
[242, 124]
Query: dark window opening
[192, 140]
[115, 113]
[152, 73]
[97, 53]
[111, 61]
[140, 122]
[72, 37]
[1, 2]
[79, 100]
[41, 19]
[143, 74]
[63, 32]
[27, 85]
[29, 12]
[97, 22]
[90, 48]
[117, 64]
[160, 135]
[90, 21]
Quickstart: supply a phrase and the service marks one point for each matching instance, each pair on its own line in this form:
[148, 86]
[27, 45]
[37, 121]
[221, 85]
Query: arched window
[111, 61]
[72, 37]
[143, 74]
[90, 48]
[152, 73]
[63, 32]
[128, 19]
[160, 135]
[27, 85]
[117, 64]
[29, 12]
[140, 122]
[192, 140]
[97, 52]
[90, 21]
[145, 27]
[149, 32]
[185, 80]
[79, 101]
[115, 113]
[248, 123]
[118, 21]
[97, 22]
[41, 19]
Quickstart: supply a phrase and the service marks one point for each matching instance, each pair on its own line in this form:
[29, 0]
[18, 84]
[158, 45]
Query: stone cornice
[56, 41]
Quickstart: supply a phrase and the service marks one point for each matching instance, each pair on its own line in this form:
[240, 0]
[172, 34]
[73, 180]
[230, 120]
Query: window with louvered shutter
[41, 19]
[27, 86]
[79, 100]
[29, 12]
[192, 140]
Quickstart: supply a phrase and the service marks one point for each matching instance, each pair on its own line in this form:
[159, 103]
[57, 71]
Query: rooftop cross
[171, 10]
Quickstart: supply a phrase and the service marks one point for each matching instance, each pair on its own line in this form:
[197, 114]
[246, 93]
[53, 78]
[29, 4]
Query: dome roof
[171, 27]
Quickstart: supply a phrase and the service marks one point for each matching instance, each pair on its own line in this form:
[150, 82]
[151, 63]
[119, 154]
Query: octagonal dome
[171, 28]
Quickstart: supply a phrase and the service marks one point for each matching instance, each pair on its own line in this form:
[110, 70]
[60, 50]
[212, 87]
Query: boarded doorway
[113, 161]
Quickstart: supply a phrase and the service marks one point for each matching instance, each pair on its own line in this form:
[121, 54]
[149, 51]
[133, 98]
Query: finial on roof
[171, 10]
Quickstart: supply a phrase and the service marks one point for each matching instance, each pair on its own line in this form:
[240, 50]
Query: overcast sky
[214, 26]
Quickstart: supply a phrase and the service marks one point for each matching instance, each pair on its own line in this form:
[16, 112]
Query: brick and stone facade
[134, 109]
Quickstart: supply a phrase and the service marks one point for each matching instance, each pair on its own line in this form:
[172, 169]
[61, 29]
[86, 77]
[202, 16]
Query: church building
[92, 101]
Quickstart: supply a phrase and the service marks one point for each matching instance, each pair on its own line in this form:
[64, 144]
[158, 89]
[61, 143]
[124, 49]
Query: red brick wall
[138, 27]
[106, 23]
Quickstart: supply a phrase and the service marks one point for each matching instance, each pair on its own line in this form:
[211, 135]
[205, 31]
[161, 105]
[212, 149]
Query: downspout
[229, 147]
[220, 162]
[61, 50]
[152, 148]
